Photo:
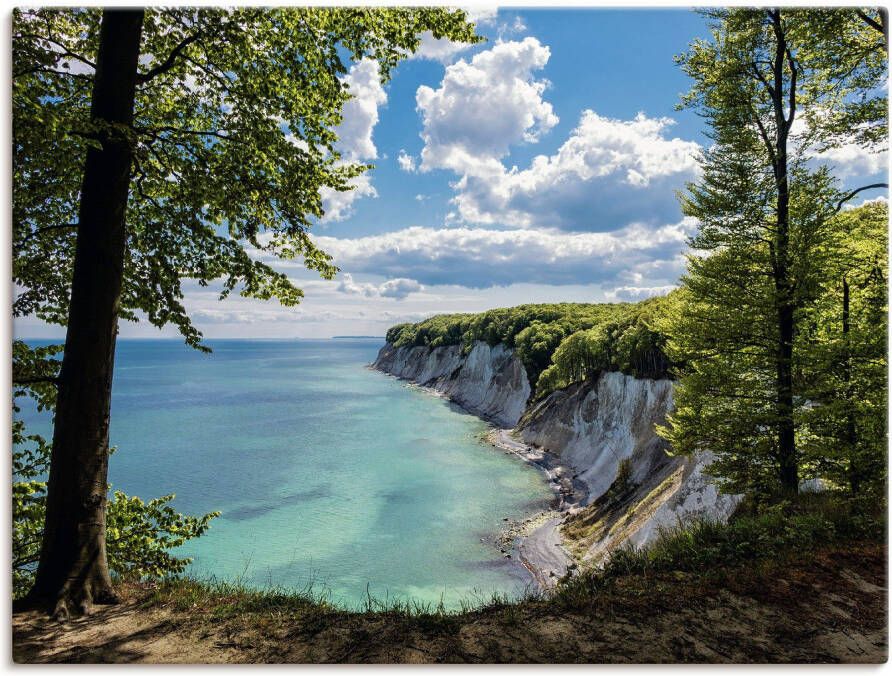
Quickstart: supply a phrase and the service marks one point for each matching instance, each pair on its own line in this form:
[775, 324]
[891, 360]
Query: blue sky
[539, 166]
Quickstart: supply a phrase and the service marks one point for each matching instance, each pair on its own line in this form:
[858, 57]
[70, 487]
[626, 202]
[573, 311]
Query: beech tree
[765, 216]
[155, 146]
[844, 428]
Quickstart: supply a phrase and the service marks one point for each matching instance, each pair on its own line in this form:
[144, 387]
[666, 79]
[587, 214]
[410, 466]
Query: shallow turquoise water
[327, 473]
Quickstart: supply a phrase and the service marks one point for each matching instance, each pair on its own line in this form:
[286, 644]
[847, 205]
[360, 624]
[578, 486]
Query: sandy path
[543, 554]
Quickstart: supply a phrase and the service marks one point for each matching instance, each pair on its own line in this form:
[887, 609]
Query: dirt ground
[829, 607]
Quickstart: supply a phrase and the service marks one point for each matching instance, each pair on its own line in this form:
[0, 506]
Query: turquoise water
[327, 473]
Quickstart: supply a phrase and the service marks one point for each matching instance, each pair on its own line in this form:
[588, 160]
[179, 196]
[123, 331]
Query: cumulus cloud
[355, 142]
[462, 130]
[339, 205]
[360, 113]
[846, 160]
[852, 160]
[399, 288]
[443, 49]
[393, 288]
[406, 161]
[607, 173]
[438, 49]
[481, 258]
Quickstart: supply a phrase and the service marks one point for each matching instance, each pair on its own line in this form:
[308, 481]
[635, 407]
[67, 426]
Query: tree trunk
[73, 571]
[787, 458]
[851, 434]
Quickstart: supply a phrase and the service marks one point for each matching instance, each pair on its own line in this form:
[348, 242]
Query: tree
[765, 219]
[845, 425]
[155, 146]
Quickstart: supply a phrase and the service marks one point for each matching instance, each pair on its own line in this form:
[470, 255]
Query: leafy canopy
[234, 137]
[558, 343]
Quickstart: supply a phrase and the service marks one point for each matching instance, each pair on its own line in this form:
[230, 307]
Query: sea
[332, 478]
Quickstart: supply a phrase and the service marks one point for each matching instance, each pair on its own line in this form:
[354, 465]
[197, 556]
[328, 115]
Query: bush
[787, 527]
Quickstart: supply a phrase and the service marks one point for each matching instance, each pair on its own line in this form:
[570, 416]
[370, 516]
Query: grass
[222, 599]
[704, 549]
[786, 529]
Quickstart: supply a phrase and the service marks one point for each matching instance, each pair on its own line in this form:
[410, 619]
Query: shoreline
[536, 542]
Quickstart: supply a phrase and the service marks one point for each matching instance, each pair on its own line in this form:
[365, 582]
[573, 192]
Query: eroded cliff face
[594, 426]
[589, 429]
[489, 381]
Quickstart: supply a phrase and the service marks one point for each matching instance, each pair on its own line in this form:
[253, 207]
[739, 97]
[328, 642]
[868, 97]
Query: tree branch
[34, 380]
[881, 25]
[40, 231]
[169, 62]
[854, 192]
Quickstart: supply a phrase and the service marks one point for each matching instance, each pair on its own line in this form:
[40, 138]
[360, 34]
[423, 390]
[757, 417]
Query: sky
[539, 166]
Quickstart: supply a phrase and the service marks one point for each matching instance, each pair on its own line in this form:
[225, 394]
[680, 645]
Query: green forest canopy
[558, 343]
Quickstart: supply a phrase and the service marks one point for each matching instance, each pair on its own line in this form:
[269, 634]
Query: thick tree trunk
[73, 571]
[789, 466]
[787, 457]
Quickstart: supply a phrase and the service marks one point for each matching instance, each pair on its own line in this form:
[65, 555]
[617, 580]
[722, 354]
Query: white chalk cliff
[488, 381]
[588, 429]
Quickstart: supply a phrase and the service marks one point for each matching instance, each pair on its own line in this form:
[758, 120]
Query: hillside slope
[827, 606]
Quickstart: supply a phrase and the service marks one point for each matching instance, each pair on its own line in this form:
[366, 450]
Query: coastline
[536, 542]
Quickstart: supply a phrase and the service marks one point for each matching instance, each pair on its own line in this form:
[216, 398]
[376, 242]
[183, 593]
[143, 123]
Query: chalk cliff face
[489, 381]
[589, 429]
[592, 427]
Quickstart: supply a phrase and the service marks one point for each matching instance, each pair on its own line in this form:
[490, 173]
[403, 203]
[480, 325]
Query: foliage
[234, 136]
[787, 528]
[766, 240]
[847, 50]
[558, 343]
[844, 426]
[139, 535]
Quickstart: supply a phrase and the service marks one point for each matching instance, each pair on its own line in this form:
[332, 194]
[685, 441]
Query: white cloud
[360, 113]
[633, 293]
[406, 161]
[399, 288]
[484, 106]
[339, 205]
[607, 173]
[481, 258]
[443, 49]
[852, 160]
[847, 160]
[438, 49]
[355, 142]
[392, 288]
[855, 205]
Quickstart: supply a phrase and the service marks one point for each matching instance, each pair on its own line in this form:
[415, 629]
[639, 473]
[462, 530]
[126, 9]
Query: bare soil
[825, 607]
